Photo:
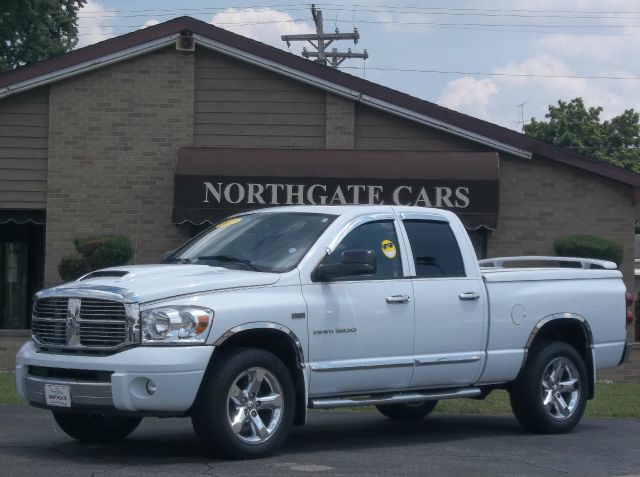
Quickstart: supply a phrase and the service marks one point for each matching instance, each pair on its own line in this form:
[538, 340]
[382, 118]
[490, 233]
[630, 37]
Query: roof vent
[185, 42]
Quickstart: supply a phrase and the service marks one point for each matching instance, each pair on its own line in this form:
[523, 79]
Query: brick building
[107, 138]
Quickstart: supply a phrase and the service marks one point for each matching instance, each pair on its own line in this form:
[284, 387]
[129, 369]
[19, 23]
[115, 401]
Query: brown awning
[211, 183]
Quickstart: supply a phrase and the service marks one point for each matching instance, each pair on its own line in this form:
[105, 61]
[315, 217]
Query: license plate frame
[57, 395]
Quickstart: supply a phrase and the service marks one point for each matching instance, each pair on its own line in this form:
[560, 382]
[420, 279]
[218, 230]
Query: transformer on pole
[321, 41]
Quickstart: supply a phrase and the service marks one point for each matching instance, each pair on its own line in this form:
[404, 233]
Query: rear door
[450, 305]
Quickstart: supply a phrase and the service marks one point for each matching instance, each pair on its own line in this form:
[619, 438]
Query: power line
[391, 8]
[511, 75]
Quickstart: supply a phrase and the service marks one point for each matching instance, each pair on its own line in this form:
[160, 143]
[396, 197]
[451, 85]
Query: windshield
[264, 242]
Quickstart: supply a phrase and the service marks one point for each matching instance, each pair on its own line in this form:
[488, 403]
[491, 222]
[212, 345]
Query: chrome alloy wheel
[560, 388]
[255, 405]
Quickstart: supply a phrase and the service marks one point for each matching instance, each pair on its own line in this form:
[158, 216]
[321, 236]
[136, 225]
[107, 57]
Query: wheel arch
[278, 340]
[570, 328]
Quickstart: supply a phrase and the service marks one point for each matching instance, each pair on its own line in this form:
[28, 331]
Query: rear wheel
[246, 405]
[96, 427]
[410, 411]
[550, 395]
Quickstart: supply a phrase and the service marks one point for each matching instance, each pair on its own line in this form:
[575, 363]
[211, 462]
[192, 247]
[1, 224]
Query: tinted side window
[379, 237]
[435, 249]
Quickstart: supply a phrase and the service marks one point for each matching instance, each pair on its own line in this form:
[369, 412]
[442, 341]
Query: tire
[96, 428]
[407, 411]
[246, 405]
[550, 395]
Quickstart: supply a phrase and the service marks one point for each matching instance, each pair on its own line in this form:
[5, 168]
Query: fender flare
[266, 325]
[586, 328]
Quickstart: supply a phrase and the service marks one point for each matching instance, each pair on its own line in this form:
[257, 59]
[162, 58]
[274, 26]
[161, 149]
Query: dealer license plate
[58, 395]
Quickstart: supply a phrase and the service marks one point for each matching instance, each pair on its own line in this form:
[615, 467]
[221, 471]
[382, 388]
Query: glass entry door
[21, 267]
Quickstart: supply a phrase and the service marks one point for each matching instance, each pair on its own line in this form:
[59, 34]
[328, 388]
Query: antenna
[521, 114]
[323, 40]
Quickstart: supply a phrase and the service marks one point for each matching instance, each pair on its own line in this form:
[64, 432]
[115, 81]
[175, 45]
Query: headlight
[176, 325]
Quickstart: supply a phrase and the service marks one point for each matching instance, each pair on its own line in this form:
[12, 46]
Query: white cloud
[95, 23]
[469, 95]
[264, 25]
[149, 23]
[596, 92]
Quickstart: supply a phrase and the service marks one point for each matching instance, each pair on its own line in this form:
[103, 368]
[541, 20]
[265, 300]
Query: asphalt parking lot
[332, 443]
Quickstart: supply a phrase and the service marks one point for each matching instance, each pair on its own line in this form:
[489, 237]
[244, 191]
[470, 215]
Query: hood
[142, 283]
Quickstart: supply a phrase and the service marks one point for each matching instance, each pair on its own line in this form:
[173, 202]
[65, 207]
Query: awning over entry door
[211, 183]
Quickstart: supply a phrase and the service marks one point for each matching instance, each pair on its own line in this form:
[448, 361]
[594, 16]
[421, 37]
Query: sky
[504, 61]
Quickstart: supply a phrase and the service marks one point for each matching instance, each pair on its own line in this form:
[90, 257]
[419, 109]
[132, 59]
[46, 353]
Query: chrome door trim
[330, 367]
[437, 361]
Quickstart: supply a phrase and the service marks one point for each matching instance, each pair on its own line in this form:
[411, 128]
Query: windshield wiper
[177, 260]
[230, 258]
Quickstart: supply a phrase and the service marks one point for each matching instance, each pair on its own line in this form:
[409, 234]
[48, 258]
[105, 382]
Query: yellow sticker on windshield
[388, 248]
[226, 223]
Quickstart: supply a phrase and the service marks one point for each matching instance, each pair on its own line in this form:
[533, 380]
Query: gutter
[88, 65]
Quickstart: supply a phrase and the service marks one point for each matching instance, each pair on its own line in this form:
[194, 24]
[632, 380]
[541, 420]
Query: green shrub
[95, 253]
[588, 246]
[71, 268]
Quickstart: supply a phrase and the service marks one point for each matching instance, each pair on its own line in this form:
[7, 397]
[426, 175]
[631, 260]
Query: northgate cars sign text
[270, 193]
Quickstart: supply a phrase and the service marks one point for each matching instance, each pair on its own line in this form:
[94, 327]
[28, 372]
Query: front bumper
[176, 372]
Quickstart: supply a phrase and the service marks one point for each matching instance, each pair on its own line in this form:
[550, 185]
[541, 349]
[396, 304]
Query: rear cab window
[435, 250]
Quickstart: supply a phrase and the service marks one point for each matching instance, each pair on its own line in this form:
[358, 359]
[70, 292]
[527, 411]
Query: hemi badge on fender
[298, 316]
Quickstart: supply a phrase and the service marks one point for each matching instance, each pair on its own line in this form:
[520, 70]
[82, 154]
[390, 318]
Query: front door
[361, 327]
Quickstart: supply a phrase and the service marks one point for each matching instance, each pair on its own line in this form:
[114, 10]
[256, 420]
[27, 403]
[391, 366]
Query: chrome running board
[335, 402]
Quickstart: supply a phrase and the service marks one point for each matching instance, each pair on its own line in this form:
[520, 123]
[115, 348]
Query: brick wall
[10, 343]
[340, 129]
[114, 134]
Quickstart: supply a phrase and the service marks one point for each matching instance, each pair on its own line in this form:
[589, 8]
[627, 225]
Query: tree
[573, 126]
[34, 30]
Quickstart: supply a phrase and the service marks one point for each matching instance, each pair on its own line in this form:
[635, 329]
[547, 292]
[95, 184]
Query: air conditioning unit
[185, 42]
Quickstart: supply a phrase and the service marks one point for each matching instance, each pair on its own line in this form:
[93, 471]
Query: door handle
[469, 296]
[398, 299]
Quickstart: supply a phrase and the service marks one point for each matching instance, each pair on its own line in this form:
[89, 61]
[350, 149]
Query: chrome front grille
[49, 321]
[82, 323]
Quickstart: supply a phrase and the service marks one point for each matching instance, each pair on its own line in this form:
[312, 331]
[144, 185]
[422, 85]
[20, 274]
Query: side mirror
[352, 262]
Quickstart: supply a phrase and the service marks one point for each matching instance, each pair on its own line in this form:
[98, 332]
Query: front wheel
[550, 395]
[96, 427]
[246, 405]
[410, 411]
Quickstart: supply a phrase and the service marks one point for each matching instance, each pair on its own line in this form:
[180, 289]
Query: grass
[612, 400]
[8, 394]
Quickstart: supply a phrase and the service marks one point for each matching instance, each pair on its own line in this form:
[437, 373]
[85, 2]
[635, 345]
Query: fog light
[151, 387]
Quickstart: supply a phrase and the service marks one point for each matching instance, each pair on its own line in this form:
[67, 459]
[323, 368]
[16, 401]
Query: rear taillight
[629, 300]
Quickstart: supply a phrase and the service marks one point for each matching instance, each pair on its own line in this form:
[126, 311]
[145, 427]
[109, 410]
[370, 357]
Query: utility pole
[323, 40]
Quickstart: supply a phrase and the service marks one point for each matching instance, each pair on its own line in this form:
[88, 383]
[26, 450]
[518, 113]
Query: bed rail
[499, 262]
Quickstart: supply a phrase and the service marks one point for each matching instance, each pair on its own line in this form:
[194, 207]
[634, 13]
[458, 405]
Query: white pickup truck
[274, 312]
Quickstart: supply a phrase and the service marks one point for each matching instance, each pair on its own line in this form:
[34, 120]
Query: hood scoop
[105, 274]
